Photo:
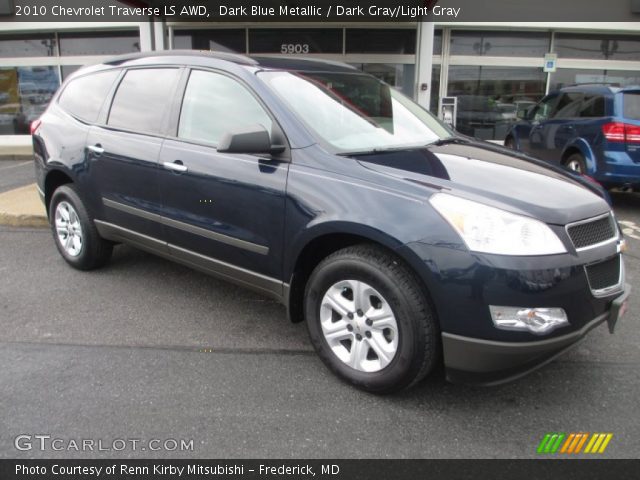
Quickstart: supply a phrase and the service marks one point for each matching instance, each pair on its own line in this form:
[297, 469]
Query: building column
[424, 63]
[159, 34]
[146, 36]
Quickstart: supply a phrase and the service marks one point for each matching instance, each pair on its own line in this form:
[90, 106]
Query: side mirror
[529, 112]
[249, 139]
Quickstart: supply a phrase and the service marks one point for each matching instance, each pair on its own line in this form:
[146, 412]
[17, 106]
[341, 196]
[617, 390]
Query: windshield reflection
[355, 113]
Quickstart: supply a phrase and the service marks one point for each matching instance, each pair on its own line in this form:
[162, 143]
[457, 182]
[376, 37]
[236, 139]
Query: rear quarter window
[569, 105]
[83, 97]
[631, 105]
[593, 107]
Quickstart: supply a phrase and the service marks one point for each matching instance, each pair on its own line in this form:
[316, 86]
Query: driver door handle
[97, 148]
[176, 166]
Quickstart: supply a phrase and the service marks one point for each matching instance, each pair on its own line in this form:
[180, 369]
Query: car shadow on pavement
[625, 199]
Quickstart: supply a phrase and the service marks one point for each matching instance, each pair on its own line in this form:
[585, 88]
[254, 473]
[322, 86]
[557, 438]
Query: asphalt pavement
[16, 173]
[148, 349]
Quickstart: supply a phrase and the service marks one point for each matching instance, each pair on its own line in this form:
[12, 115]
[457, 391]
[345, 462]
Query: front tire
[74, 232]
[370, 321]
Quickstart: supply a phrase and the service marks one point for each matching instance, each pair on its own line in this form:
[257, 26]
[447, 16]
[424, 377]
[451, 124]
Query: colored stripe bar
[607, 439]
[583, 439]
[591, 442]
[596, 445]
[574, 443]
[565, 447]
[543, 443]
[555, 447]
[550, 443]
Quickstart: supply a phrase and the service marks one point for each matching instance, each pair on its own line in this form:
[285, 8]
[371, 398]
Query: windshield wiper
[382, 150]
[400, 148]
[449, 141]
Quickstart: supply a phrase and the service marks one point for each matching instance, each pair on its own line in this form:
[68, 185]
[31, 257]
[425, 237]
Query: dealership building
[494, 70]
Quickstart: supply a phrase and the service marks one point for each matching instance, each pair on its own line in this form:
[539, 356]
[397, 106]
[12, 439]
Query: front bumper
[487, 362]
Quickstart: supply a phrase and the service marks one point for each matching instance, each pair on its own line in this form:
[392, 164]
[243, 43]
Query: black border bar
[319, 11]
[583, 469]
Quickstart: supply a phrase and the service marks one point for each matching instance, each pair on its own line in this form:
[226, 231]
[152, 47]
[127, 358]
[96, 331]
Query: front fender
[332, 226]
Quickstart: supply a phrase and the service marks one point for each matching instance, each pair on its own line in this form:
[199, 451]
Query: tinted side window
[84, 96]
[631, 105]
[141, 99]
[568, 105]
[214, 104]
[544, 109]
[593, 106]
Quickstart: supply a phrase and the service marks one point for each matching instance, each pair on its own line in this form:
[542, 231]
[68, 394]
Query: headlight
[491, 230]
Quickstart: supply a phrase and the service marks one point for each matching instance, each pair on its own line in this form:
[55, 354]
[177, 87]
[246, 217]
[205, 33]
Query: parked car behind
[399, 243]
[592, 129]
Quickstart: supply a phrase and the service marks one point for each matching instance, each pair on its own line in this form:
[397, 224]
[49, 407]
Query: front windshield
[355, 112]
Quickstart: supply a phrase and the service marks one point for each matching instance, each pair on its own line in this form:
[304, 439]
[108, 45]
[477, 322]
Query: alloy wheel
[68, 229]
[359, 325]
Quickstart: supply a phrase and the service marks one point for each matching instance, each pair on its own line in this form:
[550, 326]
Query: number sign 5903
[294, 48]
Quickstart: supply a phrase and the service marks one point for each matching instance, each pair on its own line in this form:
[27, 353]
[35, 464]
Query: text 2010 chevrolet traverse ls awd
[397, 241]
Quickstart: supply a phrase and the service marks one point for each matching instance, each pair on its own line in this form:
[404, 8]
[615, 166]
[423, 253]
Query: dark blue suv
[398, 242]
[592, 129]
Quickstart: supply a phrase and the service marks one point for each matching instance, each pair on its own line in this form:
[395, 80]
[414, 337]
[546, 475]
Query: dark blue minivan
[592, 129]
[402, 245]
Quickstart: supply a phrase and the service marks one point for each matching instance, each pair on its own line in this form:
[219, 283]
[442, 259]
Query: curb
[22, 207]
[12, 220]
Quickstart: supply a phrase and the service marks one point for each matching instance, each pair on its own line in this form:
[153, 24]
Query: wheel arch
[324, 241]
[55, 178]
[512, 135]
[583, 148]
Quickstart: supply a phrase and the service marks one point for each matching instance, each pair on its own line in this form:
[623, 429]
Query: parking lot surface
[145, 348]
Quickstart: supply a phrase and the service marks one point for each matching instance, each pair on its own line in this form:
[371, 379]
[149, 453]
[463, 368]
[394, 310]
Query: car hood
[494, 176]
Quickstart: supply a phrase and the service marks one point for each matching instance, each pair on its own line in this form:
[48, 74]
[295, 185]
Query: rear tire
[74, 232]
[576, 162]
[370, 321]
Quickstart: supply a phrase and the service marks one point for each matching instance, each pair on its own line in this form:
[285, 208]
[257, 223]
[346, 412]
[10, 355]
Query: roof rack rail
[230, 57]
[595, 84]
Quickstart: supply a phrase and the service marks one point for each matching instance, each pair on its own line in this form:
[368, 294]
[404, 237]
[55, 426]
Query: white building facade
[493, 69]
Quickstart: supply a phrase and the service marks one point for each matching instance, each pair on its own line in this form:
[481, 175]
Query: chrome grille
[592, 232]
[604, 276]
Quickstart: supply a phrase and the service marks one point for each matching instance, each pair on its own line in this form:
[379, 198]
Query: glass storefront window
[291, 41]
[435, 89]
[437, 42]
[564, 77]
[68, 70]
[398, 41]
[28, 46]
[597, 47]
[218, 40]
[398, 75]
[500, 44]
[489, 98]
[101, 43]
[24, 94]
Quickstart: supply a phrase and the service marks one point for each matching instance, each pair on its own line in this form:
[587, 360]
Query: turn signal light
[34, 126]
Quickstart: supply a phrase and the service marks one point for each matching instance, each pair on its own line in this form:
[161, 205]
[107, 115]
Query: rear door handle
[176, 166]
[97, 149]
